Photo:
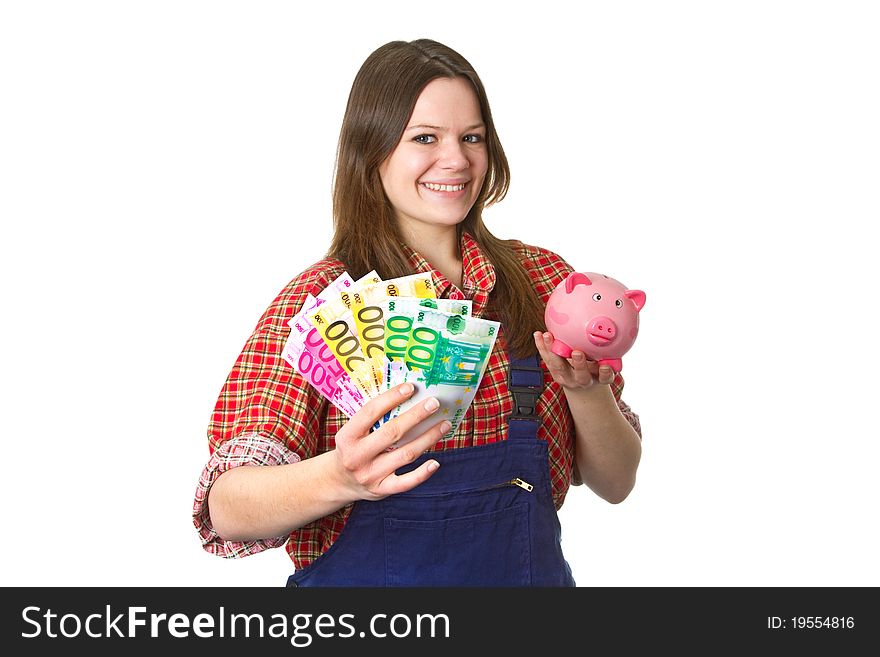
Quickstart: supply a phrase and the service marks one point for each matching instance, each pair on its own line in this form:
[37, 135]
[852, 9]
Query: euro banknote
[358, 338]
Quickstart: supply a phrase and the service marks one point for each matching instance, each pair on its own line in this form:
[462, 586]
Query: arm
[278, 460]
[607, 446]
[248, 449]
[254, 502]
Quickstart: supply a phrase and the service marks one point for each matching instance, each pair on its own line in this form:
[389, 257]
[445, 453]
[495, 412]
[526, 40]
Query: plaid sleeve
[266, 412]
[251, 449]
[263, 394]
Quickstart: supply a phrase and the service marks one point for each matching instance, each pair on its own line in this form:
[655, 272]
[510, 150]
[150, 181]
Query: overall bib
[485, 518]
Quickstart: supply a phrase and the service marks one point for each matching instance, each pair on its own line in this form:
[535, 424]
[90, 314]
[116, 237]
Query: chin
[449, 218]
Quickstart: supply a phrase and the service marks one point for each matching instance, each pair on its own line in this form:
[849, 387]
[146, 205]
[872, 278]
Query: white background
[165, 169]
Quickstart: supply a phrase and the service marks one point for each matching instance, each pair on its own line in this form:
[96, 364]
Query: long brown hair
[366, 236]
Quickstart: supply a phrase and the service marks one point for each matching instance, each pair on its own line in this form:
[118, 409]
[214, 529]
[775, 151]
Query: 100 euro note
[445, 357]
[398, 315]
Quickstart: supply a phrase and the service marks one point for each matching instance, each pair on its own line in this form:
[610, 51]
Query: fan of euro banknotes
[358, 338]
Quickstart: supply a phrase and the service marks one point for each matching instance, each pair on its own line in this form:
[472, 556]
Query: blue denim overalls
[485, 518]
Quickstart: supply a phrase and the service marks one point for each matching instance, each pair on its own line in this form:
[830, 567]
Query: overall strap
[526, 381]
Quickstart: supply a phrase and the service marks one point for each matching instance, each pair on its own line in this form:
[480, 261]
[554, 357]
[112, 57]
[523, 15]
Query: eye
[473, 139]
[618, 303]
[425, 139]
[597, 297]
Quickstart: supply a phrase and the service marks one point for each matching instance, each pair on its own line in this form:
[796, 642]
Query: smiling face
[436, 172]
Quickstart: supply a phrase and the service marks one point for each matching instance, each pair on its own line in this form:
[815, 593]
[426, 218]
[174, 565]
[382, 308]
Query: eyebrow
[422, 126]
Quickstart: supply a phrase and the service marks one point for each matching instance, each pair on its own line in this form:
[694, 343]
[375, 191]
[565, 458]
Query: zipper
[516, 481]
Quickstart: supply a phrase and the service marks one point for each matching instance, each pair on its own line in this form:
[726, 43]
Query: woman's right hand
[364, 462]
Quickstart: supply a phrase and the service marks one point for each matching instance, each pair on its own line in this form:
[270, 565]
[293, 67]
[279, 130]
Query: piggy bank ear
[637, 296]
[576, 278]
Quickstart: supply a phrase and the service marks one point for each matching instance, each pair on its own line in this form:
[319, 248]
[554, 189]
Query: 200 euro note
[369, 318]
[445, 357]
[335, 324]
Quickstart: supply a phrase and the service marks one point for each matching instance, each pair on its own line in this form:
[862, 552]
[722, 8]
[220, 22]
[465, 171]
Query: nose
[453, 156]
[601, 331]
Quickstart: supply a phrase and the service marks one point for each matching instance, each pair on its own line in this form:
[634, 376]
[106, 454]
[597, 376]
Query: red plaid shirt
[268, 414]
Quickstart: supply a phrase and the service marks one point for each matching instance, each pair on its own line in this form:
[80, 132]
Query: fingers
[402, 483]
[413, 420]
[543, 341]
[393, 430]
[360, 423]
[576, 371]
[406, 454]
[606, 374]
[557, 365]
[358, 427]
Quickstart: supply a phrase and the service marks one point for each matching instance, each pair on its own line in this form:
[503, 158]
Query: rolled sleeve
[625, 410]
[251, 449]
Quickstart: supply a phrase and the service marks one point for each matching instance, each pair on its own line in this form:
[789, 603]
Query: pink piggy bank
[595, 314]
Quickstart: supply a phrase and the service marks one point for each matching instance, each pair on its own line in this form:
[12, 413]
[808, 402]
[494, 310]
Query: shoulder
[546, 268]
[289, 301]
[315, 278]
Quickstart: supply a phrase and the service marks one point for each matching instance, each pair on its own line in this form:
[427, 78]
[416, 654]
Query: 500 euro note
[306, 351]
[335, 324]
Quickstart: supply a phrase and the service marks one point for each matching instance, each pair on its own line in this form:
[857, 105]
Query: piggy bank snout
[601, 331]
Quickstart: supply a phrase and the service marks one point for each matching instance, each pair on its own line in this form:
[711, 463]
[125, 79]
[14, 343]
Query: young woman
[418, 160]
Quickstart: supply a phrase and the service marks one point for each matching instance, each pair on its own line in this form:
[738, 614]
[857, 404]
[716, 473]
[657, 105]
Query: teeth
[444, 188]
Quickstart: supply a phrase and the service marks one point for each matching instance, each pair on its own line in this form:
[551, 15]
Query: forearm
[607, 448]
[263, 501]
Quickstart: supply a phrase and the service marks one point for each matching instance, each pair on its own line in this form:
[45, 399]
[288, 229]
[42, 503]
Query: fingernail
[432, 404]
[406, 389]
[445, 426]
[432, 466]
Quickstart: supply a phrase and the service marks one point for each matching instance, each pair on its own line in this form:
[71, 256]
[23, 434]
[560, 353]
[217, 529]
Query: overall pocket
[485, 549]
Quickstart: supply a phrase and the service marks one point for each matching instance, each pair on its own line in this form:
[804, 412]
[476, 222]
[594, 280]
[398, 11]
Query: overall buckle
[526, 383]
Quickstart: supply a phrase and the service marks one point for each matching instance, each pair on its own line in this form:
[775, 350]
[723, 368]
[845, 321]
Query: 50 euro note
[335, 324]
[445, 357]
[308, 354]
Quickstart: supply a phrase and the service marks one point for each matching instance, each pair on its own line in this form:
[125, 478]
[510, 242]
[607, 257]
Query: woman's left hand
[577, 372]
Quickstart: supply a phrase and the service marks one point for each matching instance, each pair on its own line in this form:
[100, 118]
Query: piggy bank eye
[618, 303]
[597, 297]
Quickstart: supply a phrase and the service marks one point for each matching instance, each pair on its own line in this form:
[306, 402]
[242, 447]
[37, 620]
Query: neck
[440, 246]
